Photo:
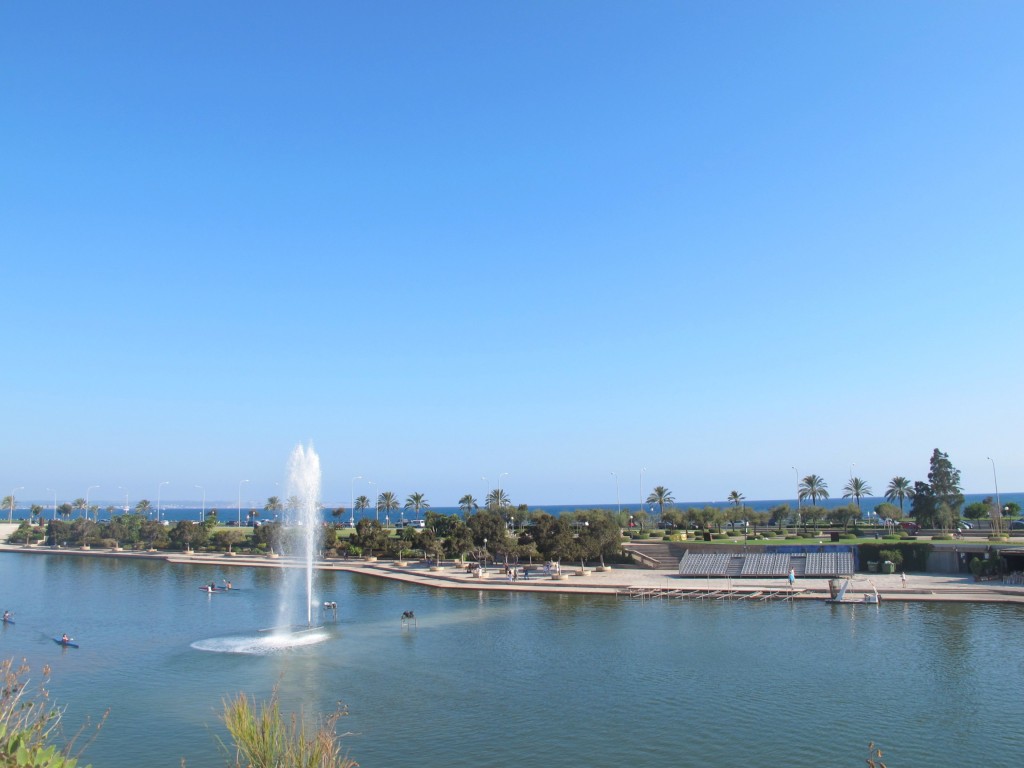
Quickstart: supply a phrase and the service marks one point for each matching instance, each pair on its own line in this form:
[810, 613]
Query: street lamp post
[54, 502]
[159, 488]
[352, 509]
[10, 515]
[618, 506]
[999, 504]
[240, 482]
[642, 470]
[202, 515]
[87, 503]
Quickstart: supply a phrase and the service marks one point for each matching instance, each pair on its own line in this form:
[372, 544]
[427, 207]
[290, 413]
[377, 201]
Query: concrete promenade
[617, 581]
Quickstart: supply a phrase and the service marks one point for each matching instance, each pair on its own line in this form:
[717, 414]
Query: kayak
[208, 588]
[8, 621]
[68, 644]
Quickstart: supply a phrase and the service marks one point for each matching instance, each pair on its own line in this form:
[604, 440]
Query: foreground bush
[265, 738]
[29, 723]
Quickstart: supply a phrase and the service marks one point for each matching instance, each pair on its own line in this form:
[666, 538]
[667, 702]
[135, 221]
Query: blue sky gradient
[449, 240]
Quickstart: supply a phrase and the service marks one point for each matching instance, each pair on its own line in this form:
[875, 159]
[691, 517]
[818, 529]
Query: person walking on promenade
[903, 579]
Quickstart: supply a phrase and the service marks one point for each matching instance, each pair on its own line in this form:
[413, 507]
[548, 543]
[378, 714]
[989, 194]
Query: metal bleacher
[766, 564]
[829, 564]
[704, 564]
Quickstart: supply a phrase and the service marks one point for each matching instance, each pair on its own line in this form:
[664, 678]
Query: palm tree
[467, 504]
[360, 504]
[813, 487]
[388, 502]
[143, 507]
[660, 496]
[36, 511]
[856, 488]
[498, 499]
[416, 501]
[899, 488]
[79, 504]
[736, 498]
[273, 505]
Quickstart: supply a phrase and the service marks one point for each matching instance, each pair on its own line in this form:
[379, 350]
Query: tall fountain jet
[304, 486]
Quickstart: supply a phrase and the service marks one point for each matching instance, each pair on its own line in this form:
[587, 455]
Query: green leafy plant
[29, 723]
[265, 738]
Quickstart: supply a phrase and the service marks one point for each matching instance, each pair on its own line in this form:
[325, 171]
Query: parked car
[911, 528]
[1017, 525]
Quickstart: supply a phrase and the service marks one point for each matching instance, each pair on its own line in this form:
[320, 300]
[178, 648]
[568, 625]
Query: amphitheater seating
[767, 564]
[704, 564]
[829, 564]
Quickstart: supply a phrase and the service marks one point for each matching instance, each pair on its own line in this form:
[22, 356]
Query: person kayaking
[7, 616]
[65, 639]
[227, 584]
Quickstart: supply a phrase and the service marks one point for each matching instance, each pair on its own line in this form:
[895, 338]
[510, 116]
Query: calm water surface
[489, 679]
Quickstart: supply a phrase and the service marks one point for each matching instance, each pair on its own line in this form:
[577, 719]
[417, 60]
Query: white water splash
[263, 644]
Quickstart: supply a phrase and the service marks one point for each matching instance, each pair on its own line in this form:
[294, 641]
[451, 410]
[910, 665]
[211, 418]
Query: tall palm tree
[498, 499]
[467, 504]
[79, 505]
[899, 488]
[273, 505]
[388, 502]
[361, 503]
[813, 487]
[660, 496]
[143, 507]
[416, 502]
[856, 488]
[736, 498]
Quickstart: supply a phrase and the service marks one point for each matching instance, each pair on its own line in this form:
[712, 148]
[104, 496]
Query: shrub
[847, 536]
[942, 537]
[792, 537]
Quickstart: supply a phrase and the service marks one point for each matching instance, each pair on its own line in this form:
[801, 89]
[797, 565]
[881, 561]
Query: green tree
[844, 515]
[143, 507]
[660, 496]
[387, 502]
[65, 510]
[467, 504]
[79, 505]
[899, 489]
[497, 500]
[416, 502]
[36, 513]
[273, 505]
[856, 488]
[370, 536]
[228, 539]
[942, 498]
[978, 510]
[922, 505]
[812, 487]
[459, 540]
[1011, 509]
[361, 503]
[736, 498]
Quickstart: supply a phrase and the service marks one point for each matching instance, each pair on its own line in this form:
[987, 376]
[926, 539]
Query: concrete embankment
[616, 581]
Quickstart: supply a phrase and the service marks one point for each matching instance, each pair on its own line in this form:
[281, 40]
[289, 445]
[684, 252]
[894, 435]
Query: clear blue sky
[449, 240]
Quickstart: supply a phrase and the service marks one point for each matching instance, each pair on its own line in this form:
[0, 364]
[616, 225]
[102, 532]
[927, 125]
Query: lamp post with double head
[10, 514]
[240, 483]
[87, 490]
[352, 509]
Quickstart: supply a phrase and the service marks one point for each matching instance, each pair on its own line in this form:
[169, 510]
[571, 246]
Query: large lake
[493, 679]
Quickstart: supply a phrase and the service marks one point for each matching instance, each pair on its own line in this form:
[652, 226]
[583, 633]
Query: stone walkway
[618, 580]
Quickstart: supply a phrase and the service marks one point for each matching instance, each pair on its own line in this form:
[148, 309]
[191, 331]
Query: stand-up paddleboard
[66, 644]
